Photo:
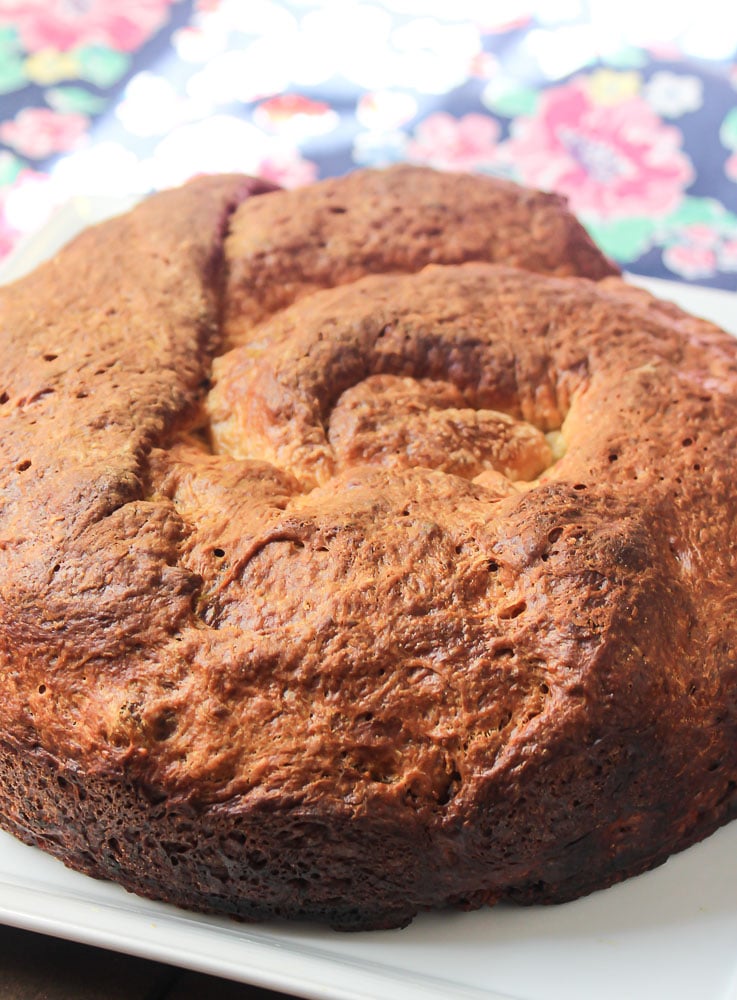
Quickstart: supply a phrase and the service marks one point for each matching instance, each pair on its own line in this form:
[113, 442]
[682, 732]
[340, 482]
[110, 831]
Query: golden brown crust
[399, 219]
[420, 596]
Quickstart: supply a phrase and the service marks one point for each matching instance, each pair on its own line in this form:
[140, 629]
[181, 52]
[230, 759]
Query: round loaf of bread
[364, 549]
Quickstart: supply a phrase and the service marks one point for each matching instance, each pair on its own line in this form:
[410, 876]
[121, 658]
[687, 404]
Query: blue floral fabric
[635, 121]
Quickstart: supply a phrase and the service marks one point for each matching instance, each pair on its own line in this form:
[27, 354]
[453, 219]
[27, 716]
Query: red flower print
[448, 143]
[39, 132]
[611, 161]
[68, 24]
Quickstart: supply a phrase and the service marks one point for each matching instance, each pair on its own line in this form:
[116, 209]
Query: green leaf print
[624, 239]
[71, 99]
[728, 130]
[101, 65]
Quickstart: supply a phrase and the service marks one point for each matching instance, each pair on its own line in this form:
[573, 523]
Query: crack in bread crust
[301, 612]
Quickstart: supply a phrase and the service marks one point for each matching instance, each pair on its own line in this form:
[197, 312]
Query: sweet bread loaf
[364, 549]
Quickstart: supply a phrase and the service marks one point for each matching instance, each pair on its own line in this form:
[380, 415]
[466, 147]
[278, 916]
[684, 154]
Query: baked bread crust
[348, 602]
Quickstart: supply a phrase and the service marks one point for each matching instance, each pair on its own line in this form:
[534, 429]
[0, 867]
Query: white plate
[671, 933]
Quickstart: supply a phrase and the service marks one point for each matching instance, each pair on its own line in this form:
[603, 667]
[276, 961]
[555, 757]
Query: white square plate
[671, 933]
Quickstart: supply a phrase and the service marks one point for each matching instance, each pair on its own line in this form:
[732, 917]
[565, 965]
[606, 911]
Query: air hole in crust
[513, 611]
[164, 726]
[451, 789]
[504, 721]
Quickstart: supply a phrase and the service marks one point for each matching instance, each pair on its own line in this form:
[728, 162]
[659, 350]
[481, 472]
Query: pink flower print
[25, 205]
[491, 23]
[385, 109]
[68, 24]
[728, 255]
[664, 51]
[287, 169]
[448, 143]
[39, 132]
[484, 66]
[700, 234]
[8, 235]
[296, 115]
[610, 161]
[690, 262]
[730, 167]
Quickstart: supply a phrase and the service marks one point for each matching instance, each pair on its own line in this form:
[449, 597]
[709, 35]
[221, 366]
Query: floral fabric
[635, 122]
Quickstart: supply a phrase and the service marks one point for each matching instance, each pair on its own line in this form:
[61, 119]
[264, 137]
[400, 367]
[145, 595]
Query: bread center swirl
[400, 422]
[397, 371]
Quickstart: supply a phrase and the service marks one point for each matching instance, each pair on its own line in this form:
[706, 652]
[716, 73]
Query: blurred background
[628, 108]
